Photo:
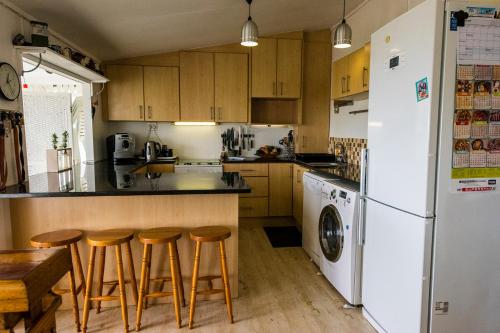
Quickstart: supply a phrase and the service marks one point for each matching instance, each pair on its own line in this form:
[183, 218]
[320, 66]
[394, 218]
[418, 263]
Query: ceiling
[113, 29]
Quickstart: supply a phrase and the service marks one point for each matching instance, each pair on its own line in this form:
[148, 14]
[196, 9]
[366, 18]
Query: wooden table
[26, 279]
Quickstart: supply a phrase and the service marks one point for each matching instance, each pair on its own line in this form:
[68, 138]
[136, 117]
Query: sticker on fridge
[475, 185]
[494, 153]
[462, 126]
[464, 90]
[494, 124]
[478, 156]
[422, 88]
[461, 153]
[482, 95]
[495, 95]
[480, 128]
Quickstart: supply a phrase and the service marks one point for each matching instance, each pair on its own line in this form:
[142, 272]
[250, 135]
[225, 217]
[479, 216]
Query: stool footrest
[210, 291]
[159, 294]
[209, 277]
[161, 279]
[104, 298]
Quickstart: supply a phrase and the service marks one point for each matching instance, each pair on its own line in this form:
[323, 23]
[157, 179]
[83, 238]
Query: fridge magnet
[480, 128]
[495, 95]
[496, 72]
[462, 126]
[461, 152]
[478, 157]
[422, 87]
[481, 11]
[464, 90]
[465, 72]
[494, 153]
[482, 95]
[483, 72]
[494, 124]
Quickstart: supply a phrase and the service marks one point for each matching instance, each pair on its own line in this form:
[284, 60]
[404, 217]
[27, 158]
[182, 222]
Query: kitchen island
[105, 196]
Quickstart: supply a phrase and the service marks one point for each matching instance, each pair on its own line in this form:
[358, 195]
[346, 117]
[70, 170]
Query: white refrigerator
[430, 228]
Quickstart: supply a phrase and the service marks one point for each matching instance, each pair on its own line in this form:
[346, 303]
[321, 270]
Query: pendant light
[343, 34]
[249, 32]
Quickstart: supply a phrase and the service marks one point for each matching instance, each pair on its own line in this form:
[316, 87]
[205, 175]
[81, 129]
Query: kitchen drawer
[253, 207]
[156, 168]
[259, 186]
[248, 169]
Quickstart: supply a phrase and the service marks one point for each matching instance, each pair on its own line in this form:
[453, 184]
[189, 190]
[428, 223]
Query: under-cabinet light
[195, 123]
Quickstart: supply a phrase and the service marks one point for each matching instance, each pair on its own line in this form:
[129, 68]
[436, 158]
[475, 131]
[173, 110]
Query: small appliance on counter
[152, 150]
[120, 147]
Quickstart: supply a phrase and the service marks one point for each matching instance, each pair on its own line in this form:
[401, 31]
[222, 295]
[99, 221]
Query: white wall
[191, 142]
[364, 20]
[345, 125]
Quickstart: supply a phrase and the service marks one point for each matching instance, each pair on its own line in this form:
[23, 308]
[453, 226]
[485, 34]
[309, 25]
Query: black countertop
[347, 175]
[107, 179]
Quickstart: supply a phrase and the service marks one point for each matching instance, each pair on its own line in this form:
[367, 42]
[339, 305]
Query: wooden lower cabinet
[298, 193]
[254, 207]
[280, 189]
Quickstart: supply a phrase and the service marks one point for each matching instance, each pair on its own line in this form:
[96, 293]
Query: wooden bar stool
[161, 236]
[102, 239]
[68, 239]
[203, 235]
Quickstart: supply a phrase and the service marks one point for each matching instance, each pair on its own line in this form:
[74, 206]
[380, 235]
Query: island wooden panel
[31, 216]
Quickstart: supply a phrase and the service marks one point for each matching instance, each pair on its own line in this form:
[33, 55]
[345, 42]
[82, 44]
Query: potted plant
[59, 158]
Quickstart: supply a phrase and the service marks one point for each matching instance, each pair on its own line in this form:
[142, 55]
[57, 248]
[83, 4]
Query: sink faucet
[340, 153]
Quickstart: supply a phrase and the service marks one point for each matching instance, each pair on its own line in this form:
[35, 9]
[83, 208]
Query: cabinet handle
[342, 84]
[140, 112]
[365, 71]
[274, 89]
[220, 112]
[303, 141]
[150, 111]
[299, 181]
[348, 81]
[247, 170]
[281, 83]
[291, 171]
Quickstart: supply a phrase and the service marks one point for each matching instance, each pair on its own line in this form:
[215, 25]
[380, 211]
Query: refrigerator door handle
[363, 172]
[361, 224]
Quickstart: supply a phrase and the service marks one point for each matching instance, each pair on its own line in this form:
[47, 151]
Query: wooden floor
[280, 291]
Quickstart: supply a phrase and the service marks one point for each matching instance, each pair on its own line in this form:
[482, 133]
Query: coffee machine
[120, 147]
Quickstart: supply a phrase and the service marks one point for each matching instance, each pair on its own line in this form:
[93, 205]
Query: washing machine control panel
[333, 194]
[343, 195]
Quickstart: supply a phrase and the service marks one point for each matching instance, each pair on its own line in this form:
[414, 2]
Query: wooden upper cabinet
[289, 68]
[264, 58]
[161, 93]
[231, 87]
[197, 86]
[366, 69]
[356, 72]
[125, 92]
[339, 77]
[351, 74]
[280, 189]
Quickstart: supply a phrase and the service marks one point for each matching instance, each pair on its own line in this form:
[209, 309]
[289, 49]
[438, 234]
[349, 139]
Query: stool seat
[210, 234]
[56, 238]
[160, 235]
[110, 237]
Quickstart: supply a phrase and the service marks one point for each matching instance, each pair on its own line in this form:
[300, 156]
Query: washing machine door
[331, 233]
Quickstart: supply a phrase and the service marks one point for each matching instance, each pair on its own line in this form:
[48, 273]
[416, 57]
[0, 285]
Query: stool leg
[148, 276]
[179, 274]
[131, 271]
[121, 282]
[79, 268]
[145, 261]
[72, 288]
[100, 276]
[225, 279]
[175, 288]
[88, 289]
[194, 283]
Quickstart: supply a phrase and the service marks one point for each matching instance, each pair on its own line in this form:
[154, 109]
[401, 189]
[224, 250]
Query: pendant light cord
[249, 5]
[343, 13]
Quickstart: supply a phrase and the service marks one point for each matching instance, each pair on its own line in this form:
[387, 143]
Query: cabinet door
[339, 79]
[125, 92]
[231, 87]
[356, 72]
[197, 86]
[289, 68]
[366, 67]
[298, 192]
[264, 68]
[161, 93]
[280, 189]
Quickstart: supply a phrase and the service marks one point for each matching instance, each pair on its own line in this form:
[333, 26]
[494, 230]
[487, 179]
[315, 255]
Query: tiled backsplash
[352, 146]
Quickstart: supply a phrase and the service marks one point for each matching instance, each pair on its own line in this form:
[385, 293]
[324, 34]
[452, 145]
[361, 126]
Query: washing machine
[340, 258]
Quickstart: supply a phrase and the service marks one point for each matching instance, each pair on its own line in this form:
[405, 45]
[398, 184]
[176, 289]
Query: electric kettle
[152, 149]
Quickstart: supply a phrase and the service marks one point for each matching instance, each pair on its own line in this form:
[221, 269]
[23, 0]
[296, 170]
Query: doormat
[284, 236]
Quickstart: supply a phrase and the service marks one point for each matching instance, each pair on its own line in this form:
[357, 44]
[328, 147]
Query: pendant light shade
[343, 34]
[249, 32]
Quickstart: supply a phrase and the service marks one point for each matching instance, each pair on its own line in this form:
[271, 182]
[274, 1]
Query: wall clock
[10, 87]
